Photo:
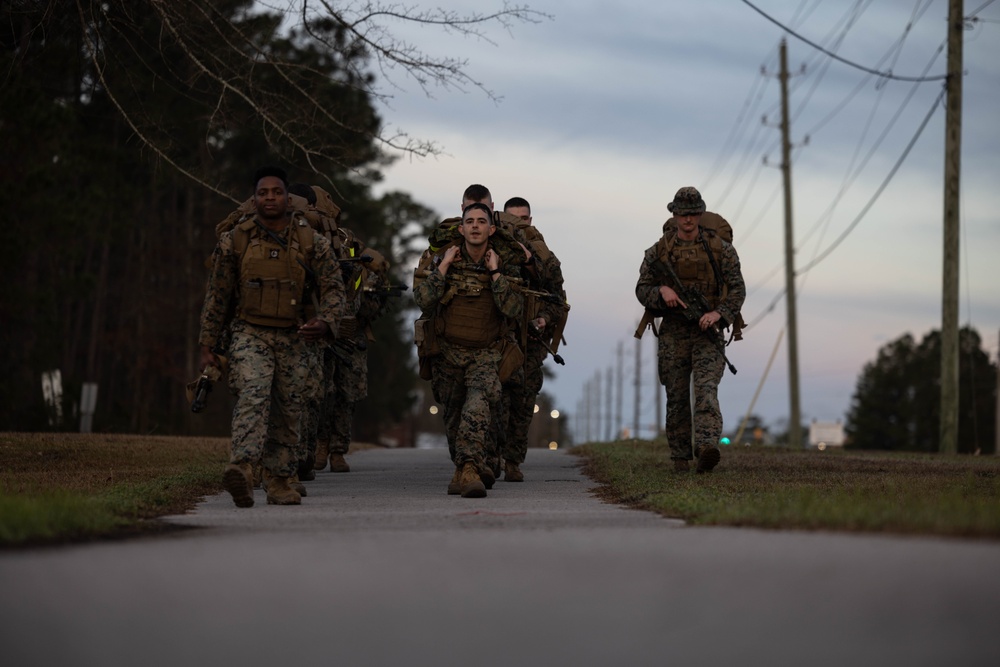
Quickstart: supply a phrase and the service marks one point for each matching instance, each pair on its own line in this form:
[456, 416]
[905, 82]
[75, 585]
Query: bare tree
[225, 52]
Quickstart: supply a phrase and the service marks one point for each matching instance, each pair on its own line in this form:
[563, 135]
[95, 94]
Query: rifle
[391, 290]
[536, 333]
[201, 388]
[697, 306]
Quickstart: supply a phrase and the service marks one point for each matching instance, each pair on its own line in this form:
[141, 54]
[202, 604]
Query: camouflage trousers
[317, 378]
[519, 404]
[268, 372]
[689, 364]
[348, 370]
[466, 383]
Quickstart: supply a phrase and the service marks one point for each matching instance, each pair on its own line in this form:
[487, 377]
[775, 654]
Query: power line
[884, 75]
[880, 189]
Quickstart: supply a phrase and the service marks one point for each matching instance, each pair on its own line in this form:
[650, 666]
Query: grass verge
[65, 487]
[900, 493]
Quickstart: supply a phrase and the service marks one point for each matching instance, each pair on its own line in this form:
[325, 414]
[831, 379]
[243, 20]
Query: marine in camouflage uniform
[465, 375]
[520, 393]
[347, 367]
[686, 355]
[256, 288]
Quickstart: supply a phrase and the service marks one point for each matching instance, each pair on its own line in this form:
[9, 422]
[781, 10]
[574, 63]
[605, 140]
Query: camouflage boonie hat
[687, 201]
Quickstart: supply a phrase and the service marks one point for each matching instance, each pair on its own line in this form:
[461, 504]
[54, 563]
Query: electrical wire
[884, 75]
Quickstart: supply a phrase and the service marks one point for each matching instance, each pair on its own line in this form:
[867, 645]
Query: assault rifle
[391, 290]
[363, 259]
[697, 306]
[199, 390]
[536, 333]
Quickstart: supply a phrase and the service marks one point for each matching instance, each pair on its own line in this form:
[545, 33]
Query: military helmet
[687, 201]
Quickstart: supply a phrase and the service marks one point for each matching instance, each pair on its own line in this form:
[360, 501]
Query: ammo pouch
[347, 329]
[425, 338]
[511, 358]
[270, 302]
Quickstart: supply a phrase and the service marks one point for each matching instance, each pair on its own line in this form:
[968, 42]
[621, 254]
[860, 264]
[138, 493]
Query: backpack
[716, 227]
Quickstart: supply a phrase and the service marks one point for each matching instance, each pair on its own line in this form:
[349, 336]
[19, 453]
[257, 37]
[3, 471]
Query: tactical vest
[467, 314]
[693, 265]
[272, 279]
[536, 242]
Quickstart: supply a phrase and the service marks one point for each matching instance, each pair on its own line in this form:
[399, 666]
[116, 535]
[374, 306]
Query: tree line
[128, 130]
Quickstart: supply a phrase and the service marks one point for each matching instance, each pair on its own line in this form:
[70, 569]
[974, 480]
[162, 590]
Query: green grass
[69, 487]
[57, 488]
[811, 490]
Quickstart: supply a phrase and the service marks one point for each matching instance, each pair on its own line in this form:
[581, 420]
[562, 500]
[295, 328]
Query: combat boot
[280, 492]
[298, 486]
[338, 464]
[238, 481]
[487, 477]
[322, 454]
[455, 485]
[469, 483]
[307, 472]
[681, 465]
[708, 457]
[512, 472]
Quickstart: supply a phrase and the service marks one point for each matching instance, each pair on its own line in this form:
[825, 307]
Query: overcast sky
[609, 108]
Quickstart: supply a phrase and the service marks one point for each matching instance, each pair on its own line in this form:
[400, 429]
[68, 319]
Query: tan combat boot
[708, 458]
[238, 481]
[338, 464]
[511, 472]
[455, 485]
[280, 492]
[298, 486]
[470, 483]
[322, 454]
[487, 476]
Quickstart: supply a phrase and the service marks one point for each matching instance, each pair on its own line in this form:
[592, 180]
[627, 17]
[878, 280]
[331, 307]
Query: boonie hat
[687, 201]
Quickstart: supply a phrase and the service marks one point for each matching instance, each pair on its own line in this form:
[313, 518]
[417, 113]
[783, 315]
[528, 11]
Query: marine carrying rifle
[697, 306]
[536, 333]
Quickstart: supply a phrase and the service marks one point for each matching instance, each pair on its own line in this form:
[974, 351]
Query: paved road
[381, 567]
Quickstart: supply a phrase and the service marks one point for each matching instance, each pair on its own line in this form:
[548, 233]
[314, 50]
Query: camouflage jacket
[222, 291]
[428, 292]
[647, 289]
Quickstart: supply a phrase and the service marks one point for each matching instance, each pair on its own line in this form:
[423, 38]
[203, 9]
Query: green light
[723, 440]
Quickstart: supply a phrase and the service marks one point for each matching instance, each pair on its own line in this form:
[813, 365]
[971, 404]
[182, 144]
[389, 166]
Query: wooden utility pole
[996, 439]
[948, 443]
[658, 391]
[597, 404]
[795, 417]
[609, 392]
[638, 386]
[621, 388]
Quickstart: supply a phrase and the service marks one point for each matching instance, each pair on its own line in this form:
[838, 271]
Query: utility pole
[996, 440]
[794, 419]
[658, 391]
[621, 387]
[609, 394]
[638, 385]
[949, 293]
[597, 404]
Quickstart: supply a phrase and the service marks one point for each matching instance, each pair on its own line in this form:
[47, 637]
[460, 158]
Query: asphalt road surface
[380, 567]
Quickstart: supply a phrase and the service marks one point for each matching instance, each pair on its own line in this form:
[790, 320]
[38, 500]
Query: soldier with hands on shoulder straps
[468, 307]
[690, 348]
[258, 287]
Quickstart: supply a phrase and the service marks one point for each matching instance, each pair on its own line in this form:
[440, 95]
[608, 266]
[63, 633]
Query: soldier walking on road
[261, 271]
[547, 319]
[469, 306]
[690, 348]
